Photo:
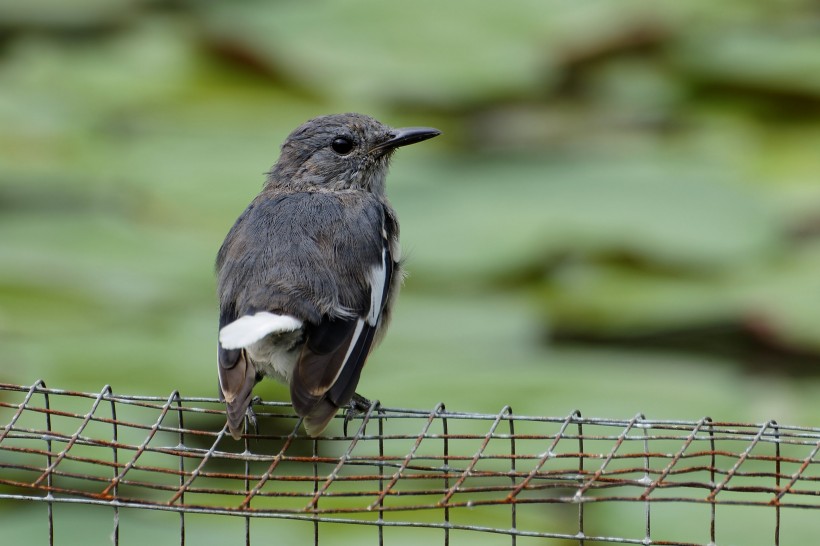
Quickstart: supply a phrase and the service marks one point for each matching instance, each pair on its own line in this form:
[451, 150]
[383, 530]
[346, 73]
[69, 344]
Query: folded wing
[332, 359]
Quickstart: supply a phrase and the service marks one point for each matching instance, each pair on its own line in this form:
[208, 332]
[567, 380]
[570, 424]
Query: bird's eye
[342, 145]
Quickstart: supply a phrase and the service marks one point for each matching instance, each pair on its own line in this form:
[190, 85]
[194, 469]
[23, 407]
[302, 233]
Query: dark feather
[322, 370]
[237, 384]
[321, 358]
[316, 421]
[342, 390]
[329, 335]
[345, 386]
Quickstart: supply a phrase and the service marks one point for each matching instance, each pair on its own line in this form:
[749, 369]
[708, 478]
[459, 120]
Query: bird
[309, 272]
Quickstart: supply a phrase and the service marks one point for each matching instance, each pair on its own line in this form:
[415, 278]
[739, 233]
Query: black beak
[405, 136]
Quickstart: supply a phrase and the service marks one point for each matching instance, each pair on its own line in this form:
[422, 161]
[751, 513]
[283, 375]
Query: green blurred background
[622, 216]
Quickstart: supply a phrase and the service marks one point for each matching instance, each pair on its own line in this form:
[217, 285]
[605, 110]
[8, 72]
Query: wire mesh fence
[452, 475]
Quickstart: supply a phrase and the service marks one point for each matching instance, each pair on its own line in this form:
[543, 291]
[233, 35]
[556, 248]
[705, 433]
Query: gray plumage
[309, 272]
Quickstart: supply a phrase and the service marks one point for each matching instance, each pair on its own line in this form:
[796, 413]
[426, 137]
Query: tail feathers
[317, 420]
[249, 329]
[236, 412]
[236, 385]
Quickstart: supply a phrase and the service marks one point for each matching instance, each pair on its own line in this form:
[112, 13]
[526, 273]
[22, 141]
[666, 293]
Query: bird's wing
[336, 349]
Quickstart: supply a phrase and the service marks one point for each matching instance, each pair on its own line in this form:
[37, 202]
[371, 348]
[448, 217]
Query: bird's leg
[250, 416]
[358, 405]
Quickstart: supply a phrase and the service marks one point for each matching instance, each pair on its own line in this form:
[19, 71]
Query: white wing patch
[356, 333]
[249, 329]
[377, 278]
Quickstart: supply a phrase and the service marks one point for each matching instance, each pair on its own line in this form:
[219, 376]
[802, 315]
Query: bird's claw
[357, 406]
[250, 417]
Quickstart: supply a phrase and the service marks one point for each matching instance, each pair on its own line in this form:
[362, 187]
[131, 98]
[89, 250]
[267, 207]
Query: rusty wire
[412, 469]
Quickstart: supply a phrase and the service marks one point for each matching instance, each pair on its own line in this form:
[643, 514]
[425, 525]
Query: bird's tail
[236, 411]
[317, 420]
[236, 386]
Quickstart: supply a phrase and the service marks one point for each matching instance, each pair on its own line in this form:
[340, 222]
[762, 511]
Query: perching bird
[308, 273]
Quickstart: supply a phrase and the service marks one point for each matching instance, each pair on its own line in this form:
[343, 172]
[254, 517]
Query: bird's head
[341, 151]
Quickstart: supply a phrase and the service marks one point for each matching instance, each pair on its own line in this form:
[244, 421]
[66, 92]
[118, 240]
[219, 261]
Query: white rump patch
[249, 329]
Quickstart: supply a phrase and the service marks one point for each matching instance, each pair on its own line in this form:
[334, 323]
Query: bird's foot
[358, 405]
[251, 422]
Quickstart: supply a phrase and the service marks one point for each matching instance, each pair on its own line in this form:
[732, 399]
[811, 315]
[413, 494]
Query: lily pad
[779, 58]
[479, 218]
[453, 55]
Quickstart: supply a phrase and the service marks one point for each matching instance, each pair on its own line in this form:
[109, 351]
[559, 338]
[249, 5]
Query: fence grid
[407, 468]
